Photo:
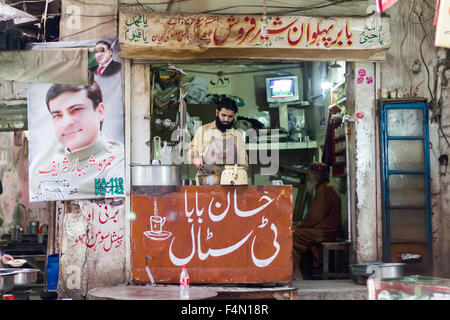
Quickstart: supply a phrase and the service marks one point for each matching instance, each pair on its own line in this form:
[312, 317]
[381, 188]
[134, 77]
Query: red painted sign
[224, 234]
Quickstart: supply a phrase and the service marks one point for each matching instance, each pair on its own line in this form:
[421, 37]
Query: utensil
[34, 227]
[24, 278]
[6, 280]
[208, 179]
[234, 175]
[155, 175]
[387, 270]
[16, 233]
[17, 262]
[361, 271]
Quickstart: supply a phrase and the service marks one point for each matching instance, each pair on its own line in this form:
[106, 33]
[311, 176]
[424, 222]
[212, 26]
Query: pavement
[342, 289]
[345, 289]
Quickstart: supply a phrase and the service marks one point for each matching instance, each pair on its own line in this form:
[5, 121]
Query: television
[282, 89]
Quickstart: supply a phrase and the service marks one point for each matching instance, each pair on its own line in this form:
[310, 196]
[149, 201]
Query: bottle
[184, 284]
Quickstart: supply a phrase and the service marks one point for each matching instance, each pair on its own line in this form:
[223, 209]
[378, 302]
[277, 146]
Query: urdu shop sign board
[200, 33]
[224, 234]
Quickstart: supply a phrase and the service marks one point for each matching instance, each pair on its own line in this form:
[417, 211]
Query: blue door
[406, 182]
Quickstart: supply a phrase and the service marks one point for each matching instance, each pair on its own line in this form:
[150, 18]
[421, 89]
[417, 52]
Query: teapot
[234, 175]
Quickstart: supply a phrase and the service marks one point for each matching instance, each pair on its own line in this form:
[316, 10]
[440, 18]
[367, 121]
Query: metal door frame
[385, 105]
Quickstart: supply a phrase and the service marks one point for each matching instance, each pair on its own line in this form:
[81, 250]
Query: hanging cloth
[327, 156]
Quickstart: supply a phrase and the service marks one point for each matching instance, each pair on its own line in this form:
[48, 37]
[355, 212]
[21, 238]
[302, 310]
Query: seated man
[323, 220]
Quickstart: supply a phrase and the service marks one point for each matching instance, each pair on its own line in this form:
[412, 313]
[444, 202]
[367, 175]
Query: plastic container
[184, 284]
[52, 272]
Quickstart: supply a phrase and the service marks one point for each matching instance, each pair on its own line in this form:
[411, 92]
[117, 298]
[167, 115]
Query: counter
[224, 234]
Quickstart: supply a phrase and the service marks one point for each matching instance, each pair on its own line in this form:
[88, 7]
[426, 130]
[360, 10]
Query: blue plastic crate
[52, 272]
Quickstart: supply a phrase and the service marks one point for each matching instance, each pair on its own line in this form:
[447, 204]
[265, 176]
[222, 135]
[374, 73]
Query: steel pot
[208, 180]
[6, 279]
[387, 270]
[25, 277]
[379, 269]
[155, 175]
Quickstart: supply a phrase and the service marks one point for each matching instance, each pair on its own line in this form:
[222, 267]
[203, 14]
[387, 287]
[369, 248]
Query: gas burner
[21, 294]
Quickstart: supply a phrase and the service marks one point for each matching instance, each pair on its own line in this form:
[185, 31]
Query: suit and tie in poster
[76, 132]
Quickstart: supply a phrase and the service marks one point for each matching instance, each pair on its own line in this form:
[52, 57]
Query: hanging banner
[443, 25]
[76, 133]
[200, 33]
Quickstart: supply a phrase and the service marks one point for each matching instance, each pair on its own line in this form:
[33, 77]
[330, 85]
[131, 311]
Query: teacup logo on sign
[156, 223]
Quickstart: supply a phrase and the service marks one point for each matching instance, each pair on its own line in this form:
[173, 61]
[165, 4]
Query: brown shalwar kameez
[321, 223]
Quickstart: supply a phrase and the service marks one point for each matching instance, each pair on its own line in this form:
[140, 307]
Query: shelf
[338, 85]
[282, 145]
[335, 108]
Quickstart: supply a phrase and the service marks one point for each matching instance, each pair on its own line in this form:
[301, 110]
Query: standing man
[83, 154]
[217, 143]
[106, 65]
[323, 220]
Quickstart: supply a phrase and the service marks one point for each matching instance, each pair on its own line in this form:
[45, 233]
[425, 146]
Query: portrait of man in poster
[76, 139]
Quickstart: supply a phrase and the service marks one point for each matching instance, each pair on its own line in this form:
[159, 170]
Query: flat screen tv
[282, 89]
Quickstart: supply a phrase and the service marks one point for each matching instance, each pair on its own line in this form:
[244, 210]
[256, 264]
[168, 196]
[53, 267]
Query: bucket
[52, 272]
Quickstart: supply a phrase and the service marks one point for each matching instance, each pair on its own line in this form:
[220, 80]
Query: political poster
[76, 133]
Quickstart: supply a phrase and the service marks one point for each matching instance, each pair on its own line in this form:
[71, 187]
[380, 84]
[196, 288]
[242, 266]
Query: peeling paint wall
[440, 200]
[15, 207]
[366, 172]
[93, 249]
[408, 37]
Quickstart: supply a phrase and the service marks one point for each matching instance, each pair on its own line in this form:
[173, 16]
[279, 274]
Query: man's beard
[311, 185]
[223, 127]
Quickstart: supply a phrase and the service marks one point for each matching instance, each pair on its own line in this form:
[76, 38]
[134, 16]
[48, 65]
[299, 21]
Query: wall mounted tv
[282, 89]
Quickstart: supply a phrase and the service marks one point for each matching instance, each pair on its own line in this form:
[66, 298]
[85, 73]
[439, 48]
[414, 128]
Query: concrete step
[330, 290]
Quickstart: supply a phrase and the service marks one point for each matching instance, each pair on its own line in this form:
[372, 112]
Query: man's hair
[93, 92]
[227, 103]
[106, 43]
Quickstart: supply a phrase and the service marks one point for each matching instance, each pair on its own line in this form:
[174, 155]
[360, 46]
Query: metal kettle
[234, 175]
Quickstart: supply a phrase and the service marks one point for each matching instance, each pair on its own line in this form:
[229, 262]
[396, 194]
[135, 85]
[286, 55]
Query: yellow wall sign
[201, 32]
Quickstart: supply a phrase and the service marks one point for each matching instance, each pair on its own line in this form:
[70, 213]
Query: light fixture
[326, 85]
[335, 65]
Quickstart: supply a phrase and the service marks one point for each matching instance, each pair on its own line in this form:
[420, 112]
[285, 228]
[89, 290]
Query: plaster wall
[365, 158]
[93, 246]
[15, 207]
[411, 42]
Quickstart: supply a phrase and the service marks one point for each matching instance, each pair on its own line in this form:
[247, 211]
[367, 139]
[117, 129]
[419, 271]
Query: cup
[156, 223]
[384, 93]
